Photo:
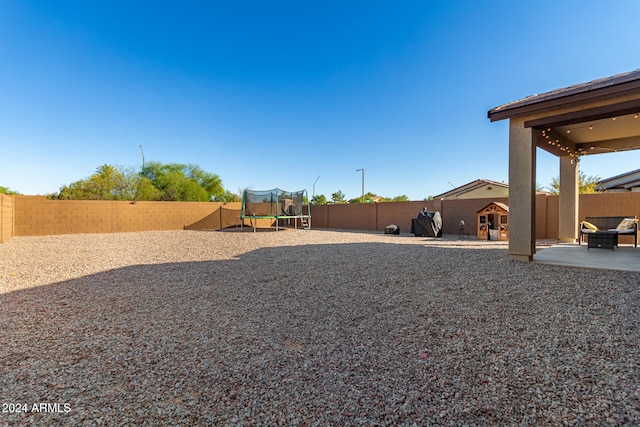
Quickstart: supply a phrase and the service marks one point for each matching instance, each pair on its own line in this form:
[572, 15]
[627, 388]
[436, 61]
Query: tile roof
[571, 90]
[623, 181]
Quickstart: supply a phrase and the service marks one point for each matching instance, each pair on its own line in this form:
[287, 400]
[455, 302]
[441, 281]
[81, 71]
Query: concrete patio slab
[624, 257]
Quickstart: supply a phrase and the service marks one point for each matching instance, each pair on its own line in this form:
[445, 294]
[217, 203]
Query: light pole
[142, 151]
[358, 170]
[314, 188]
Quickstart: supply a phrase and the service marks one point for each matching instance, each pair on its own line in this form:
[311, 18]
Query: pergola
[596, 117]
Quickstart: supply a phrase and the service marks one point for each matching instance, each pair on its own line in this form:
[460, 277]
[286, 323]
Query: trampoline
[275, 205]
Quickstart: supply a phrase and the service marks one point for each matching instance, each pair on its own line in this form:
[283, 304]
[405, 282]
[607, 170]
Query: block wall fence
[377, 216]
[7, 224]
[37, 216]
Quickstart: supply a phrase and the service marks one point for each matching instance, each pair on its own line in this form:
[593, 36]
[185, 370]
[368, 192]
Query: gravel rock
[310, 329]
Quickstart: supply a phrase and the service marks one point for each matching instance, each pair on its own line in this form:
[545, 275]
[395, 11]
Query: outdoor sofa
[621, 225]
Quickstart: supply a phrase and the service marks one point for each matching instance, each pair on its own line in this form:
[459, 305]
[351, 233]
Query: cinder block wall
[400, 214]
[454, 211]
[37, 216]
[7, 218]
[550, 217]
[610, 204]
[351, 217]
[369, 216]
[376, 216]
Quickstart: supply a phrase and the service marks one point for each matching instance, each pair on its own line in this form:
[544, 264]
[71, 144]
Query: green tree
[146, 190]
[182, 182]
[586, 184]
[319, 199]
[6, 190]
[113, 183]
[338, 197]
[157, 181]
[107, 183]
[228, 196]
[78, 190]
[402, 198]
[369, 198]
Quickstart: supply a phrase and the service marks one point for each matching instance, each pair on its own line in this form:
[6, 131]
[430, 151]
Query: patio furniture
[622, 225]
[603, 239]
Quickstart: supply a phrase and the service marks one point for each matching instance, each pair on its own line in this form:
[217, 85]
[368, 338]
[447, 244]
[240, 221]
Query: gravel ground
[310, 329]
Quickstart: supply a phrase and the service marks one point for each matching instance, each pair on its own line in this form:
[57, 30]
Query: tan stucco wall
[522, 180]
[569, 200]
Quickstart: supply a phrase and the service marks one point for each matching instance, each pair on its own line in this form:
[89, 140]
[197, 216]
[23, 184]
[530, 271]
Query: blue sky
[275, 94]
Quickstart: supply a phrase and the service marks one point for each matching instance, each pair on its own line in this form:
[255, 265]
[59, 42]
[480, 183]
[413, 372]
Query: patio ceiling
[618, 132]
[601, 116]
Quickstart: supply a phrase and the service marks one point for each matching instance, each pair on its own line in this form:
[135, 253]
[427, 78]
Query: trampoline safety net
[274, 203]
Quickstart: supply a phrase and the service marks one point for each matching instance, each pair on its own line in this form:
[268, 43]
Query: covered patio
[596, 117]
[623, 258]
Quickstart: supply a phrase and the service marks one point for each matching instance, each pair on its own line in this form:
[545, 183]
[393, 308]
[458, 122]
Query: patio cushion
[626, 224]
[589, 226]
[632, 232]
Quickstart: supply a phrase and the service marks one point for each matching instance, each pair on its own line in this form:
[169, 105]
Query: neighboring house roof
[600, 87]
[474, 185]
[625, 181]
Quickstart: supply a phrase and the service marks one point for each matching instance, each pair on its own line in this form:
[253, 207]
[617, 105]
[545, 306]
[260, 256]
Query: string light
[550, 136]
[555, 142]
[590, 126]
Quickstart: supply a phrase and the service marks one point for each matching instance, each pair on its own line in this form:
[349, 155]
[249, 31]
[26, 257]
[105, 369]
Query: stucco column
[568, 200]
[522, 191]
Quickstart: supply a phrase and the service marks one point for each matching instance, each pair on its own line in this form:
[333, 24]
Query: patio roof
[578, 93]
[596, 117]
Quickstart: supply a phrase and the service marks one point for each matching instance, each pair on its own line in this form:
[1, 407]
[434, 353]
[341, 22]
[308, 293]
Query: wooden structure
[493, 222]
